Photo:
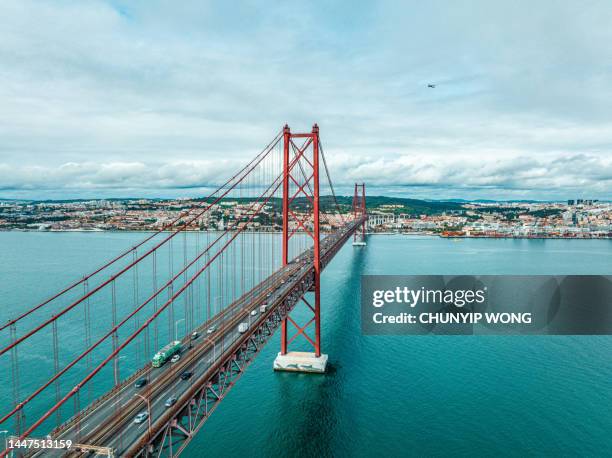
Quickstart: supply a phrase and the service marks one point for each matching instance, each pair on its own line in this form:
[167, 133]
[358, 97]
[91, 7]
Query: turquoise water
[392, 395]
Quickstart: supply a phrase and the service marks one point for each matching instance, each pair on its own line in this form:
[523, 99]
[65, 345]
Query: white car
[211, 330]
[253, 312]
[175, 358]
[141, 417]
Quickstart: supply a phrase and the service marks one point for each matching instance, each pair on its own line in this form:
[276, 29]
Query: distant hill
[383, 203]
[405, 205]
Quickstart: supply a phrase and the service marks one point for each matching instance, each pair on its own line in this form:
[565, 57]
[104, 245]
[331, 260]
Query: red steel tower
[301, 180]
[359, 211]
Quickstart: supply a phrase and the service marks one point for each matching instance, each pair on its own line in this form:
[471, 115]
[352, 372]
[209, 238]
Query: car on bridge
[195, 335]
[140, 382]
[211, 330]
[242, 328]
[175, 358]
[141, 417]
[186, 375]
[170, 401]
[253, 312]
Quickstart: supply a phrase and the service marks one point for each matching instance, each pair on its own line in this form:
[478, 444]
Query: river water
[389, 395]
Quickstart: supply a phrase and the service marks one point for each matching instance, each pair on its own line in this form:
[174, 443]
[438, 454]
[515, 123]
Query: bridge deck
[109, 421]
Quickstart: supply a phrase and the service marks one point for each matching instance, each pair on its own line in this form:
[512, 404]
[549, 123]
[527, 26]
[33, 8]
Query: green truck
[166, 353]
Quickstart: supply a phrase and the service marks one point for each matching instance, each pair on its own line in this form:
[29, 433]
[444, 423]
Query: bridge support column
[285, 253]
[302, 361]
[359, 210]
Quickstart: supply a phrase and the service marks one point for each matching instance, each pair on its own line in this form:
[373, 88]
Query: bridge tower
[359, 210]
[299, 170]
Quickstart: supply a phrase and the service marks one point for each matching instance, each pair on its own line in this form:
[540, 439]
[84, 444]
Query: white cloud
[443, 177]
[115, 175]
[125, 91]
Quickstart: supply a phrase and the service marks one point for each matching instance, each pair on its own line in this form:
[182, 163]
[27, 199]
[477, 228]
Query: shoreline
[409, 234]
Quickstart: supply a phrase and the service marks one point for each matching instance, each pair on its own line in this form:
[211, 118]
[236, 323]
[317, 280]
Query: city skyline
[117, 99]
[575, 218]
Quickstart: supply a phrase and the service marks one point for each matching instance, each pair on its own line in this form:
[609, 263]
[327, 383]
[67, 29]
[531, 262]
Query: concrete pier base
[298, 361]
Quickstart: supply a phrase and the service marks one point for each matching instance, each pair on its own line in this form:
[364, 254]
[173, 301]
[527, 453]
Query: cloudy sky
[143, 98]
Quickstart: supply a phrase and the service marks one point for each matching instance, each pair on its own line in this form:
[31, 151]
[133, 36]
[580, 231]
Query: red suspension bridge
[210, 286]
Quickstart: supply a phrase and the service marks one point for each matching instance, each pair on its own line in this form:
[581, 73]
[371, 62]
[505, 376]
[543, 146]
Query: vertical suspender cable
[171, 331]
[138, 346]
[115, 338]
[58, 418]
[87, 309]
[15, 376]
[155, 324]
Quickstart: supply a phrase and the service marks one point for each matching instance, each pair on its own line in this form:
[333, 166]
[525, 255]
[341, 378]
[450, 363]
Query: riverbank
[414, 234]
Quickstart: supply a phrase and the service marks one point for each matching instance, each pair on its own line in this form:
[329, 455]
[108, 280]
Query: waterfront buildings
[574, 218]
